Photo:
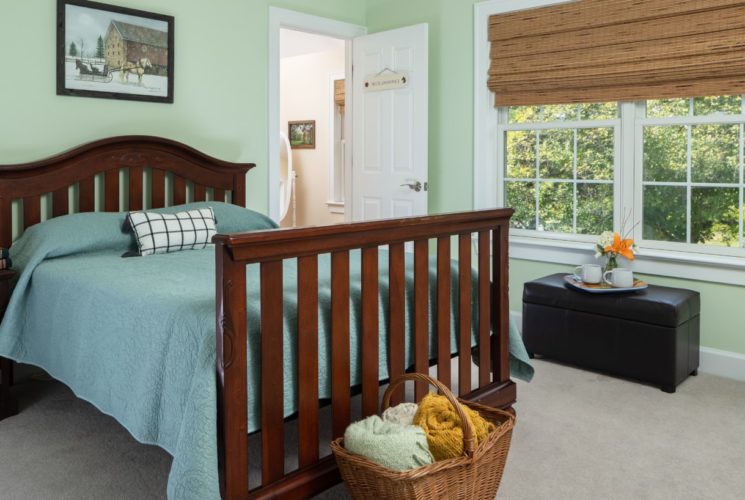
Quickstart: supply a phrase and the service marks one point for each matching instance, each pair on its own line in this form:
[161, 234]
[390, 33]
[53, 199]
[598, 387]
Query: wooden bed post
[232, 372]
[8, 403]
[500, 340]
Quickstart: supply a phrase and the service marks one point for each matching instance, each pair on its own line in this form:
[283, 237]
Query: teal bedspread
[136, 336]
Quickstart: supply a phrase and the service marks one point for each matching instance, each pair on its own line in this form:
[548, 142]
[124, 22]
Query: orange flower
[621, 247]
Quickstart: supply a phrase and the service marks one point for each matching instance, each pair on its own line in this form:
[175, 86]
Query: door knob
[414, 185]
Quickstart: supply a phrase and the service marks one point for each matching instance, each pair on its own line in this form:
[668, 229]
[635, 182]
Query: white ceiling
[298, 43]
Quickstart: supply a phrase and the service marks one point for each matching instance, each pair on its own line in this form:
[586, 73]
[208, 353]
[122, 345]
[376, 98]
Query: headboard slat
[6, 222]
[111, 196]
[87, 195]
[32, 181]
[200, 193]
[239, 191]
[31, 210]
[60, 202]
[179, 190]
[158, 196]
[135, 188]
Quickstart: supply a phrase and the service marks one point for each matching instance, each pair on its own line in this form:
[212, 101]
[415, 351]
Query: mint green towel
[395, 446]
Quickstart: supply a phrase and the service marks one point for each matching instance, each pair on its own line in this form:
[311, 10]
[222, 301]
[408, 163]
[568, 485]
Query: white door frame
[335, 206]
[283, 18]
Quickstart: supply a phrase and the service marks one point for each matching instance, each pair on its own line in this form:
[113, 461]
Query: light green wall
[451, 151]
[220, 88]
[221, 104]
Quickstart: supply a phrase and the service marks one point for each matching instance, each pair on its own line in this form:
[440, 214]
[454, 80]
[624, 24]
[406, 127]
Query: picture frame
[302, 134]
[112, 52]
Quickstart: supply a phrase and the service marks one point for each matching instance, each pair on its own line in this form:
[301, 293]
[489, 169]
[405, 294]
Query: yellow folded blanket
[443, 428]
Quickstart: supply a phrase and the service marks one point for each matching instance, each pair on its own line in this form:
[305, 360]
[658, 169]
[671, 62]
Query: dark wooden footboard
[269, 248]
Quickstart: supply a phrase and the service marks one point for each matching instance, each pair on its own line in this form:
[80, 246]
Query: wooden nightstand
[8, 403]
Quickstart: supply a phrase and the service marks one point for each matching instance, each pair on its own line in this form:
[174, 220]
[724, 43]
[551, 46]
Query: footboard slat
[340, 396]
[443, 310]
[396, 317]
[307, 331]
[272, 373]
[484, 308]
[464, 313]
[421, 314]
[370, 331]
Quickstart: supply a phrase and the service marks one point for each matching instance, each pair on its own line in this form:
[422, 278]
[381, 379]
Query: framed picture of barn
[302, 134]
[113, 52]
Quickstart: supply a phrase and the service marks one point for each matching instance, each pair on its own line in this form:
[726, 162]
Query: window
[559, 166]
[692, 171]
[671, 169]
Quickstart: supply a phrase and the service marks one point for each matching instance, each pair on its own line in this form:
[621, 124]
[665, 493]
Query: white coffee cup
[589, 273]
[620, 278]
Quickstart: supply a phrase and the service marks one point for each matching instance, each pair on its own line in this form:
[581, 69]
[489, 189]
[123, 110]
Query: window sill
[686, 265]
[335, 207]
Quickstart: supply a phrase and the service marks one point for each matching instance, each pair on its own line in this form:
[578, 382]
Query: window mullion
[537, 177]
[574, 183]
[689, 129]
[740, 211]
[628, 168]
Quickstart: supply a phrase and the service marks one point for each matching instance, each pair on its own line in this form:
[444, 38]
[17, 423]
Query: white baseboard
[714, 361]
[722, 363]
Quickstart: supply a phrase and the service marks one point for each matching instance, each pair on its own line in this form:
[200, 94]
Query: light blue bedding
[136, 336]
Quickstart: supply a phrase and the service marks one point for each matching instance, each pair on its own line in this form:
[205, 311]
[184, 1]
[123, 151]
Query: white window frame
[713, 119]
[504, 126]
[698, 262]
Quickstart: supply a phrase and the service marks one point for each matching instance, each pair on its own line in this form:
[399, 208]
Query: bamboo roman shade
[339, 93]
[617, 50]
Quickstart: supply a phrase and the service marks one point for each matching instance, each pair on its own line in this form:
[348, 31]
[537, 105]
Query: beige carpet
[580, 435]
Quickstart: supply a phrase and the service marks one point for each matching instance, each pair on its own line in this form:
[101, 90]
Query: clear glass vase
[611, 263]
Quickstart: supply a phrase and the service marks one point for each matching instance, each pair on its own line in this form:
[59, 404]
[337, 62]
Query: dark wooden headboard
[67, 182]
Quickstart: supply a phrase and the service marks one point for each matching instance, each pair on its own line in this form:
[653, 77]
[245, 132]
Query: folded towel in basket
[442, 425]
[402, 413]
[395, 446]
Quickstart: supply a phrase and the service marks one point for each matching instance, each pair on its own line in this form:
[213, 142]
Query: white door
[389, 131]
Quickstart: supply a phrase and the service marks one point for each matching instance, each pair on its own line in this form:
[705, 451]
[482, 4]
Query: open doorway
[312, 137]
[300, 27]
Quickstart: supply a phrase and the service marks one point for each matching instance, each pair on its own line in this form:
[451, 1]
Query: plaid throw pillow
[162, 233]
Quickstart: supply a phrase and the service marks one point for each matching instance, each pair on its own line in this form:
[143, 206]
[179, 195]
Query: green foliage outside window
[548, 170]
[561, 179]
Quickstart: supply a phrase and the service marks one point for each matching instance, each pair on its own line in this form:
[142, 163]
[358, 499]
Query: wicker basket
[475, 475]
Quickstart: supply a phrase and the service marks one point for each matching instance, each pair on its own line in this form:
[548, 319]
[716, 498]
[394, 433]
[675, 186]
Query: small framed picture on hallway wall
[113, 52]
[302, 134]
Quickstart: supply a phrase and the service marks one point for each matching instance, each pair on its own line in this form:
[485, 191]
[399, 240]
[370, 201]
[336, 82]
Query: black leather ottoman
[650, 335]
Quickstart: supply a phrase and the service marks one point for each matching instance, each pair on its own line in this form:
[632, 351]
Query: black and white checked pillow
[162, 233]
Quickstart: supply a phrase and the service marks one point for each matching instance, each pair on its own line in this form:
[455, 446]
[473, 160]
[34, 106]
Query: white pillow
[162, 233]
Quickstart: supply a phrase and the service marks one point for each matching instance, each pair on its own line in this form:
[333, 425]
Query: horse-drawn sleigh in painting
[95, 71]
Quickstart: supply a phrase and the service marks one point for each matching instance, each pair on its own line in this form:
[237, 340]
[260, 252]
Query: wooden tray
[576, 282]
